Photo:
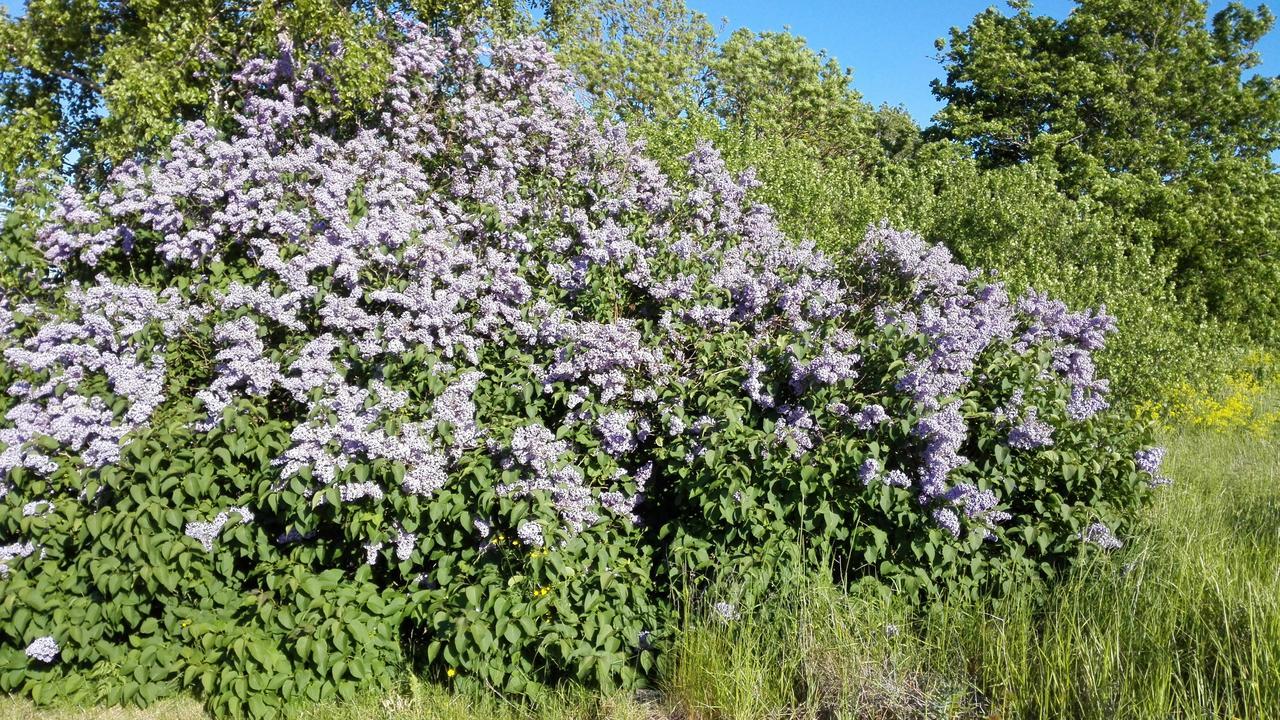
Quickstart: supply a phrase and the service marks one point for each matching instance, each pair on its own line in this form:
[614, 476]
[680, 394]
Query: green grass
[1184, 624]
[1187, 627]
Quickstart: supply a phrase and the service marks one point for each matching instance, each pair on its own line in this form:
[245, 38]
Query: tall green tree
[1118, 86]
[659, 61]
[772, 83]
[1150, 108]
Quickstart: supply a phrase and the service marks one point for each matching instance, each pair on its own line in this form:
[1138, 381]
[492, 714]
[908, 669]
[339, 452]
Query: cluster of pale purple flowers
[37, 508]
[957, 317]
[1102, 536]
[836, 363]
[870, 471]
[13, 551]
[947, 520]
[103, 339]
[869, 417]
[615, 432]
[1031, 432]
[44, 649]
[207, 532]
[795, 428]
[726, 611]
[405, 543]
[530, 533]
[755, 386]
[1149, 461]
[1076, 335]
[547, 468]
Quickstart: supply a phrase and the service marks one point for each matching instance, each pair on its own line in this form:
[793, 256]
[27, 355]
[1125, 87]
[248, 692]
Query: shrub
[473, 385]
[1242, 400]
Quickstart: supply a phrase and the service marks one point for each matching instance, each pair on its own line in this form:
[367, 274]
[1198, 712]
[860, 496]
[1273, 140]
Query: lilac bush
[474, 377]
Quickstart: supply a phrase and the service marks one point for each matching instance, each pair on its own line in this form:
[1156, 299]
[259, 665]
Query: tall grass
[1188, 625]
[1184, 622]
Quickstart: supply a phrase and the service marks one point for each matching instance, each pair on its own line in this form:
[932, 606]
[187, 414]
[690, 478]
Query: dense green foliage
[1150, 110]
[1184, 623]
[637, 60]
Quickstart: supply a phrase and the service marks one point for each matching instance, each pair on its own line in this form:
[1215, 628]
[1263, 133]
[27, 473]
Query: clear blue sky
[889, 43]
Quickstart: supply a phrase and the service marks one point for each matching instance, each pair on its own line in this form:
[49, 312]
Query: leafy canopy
[1149, 108]
[1117, 86]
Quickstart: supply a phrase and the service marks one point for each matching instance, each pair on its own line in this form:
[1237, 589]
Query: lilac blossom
[44, 649]
[727, 612]
[869, 470]
[37, 508]
[830, 367]
[427, 475]
[536, 447]
[13, 551]
[530, 533]
[754, 386]
[1102, 536]
[795, 428]
[869, 417]
[207, 532]
[1031, 433]
[944, 433]
[405, 543]
[615, 432]
[897, 478]
[1149, 461]
[352, 492]
[947, 520]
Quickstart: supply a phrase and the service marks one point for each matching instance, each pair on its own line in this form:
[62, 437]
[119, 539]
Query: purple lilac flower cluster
[207, 532]
[44, 649]
[1102, 536]
[1149, 461]
[103, 339]
[956, 318]
[11, 552]
[727, 612]
[869, 417]
[1031, 433]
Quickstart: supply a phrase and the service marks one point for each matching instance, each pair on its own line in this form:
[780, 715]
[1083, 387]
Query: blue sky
[889, 43]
